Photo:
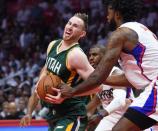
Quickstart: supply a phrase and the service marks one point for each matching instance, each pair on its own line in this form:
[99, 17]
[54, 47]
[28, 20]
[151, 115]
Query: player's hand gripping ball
[46, 84]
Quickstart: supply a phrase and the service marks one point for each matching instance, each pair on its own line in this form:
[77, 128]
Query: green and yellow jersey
[56, 63]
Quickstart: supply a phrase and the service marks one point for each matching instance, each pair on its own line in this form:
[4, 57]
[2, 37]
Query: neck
[69, 43]
[66, 45]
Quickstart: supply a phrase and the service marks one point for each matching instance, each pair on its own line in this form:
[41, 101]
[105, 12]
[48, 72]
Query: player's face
[111, 19]
[74, 29]
[95, 56]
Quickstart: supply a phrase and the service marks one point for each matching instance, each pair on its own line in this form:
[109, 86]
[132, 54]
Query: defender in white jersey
[114, 103]
[137, 48]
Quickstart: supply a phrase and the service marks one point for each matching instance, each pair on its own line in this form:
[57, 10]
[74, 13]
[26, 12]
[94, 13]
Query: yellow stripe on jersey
[51, 44]
[67, 63]
[92, 96]
[73, 73]
[72, 76]
[58, 46]
[69, 127]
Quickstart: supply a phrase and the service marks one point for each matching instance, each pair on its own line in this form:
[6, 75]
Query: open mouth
[68, 33]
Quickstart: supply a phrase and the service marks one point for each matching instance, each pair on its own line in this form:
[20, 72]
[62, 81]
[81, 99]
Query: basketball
[45, 85]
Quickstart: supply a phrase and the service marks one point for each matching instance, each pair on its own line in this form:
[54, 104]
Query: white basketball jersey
[141, 64]
[107, 95]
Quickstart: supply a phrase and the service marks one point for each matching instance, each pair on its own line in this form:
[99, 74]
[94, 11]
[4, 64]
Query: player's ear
[83, 34]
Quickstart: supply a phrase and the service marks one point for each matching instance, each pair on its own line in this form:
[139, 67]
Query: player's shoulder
[76, 52]
[128, 31]
[76, 58]
[51, 44]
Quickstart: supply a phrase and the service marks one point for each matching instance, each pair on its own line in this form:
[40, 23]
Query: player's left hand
[26, 120]
[55, 99]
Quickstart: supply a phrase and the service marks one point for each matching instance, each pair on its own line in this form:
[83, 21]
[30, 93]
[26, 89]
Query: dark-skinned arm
[118, 80]
[117, 42]
[33, 101]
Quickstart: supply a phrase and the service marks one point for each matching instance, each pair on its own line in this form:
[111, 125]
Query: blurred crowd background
[27, 27]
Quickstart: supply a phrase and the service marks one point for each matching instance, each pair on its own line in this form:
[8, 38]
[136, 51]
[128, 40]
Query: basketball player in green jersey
[66, 59]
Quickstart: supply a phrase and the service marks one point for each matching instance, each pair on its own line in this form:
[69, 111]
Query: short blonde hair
[84, 17]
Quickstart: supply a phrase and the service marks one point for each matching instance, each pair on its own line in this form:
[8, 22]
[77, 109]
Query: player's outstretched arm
[33, 101]
[120, 39]
[110, 58]
[118, 80]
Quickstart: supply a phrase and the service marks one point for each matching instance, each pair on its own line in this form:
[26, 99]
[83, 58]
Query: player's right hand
[26, 120]
[66, 91]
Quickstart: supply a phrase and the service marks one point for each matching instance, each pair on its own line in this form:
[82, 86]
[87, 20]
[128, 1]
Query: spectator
[13, 113]
[5, 110]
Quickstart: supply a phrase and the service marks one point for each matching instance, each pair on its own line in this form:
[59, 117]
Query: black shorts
[139, 119]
